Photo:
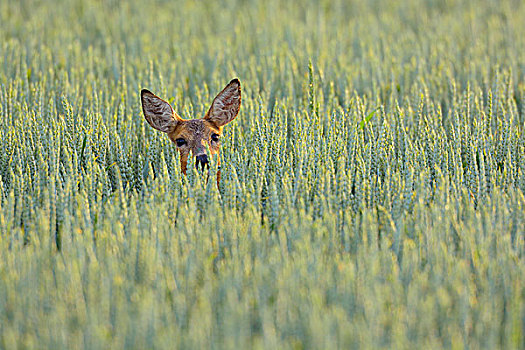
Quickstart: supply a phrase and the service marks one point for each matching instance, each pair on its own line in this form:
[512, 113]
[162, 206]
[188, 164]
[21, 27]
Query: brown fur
[197, 133]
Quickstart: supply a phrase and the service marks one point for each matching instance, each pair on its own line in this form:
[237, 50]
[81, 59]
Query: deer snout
[202, 160]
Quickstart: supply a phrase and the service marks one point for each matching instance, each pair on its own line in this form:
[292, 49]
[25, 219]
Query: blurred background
[378, 48]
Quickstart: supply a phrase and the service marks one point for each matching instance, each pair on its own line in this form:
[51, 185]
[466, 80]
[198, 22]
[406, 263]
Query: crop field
[372, 188]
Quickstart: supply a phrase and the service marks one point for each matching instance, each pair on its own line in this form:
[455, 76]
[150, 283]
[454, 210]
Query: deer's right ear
[158, 112]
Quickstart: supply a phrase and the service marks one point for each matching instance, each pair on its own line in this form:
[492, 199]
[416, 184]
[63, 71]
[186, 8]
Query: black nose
[201, 159]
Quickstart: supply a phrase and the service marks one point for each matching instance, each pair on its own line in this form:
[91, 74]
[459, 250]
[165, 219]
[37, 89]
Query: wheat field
[372, 191]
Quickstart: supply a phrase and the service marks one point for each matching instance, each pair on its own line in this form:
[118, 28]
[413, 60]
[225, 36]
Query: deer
[194, 136]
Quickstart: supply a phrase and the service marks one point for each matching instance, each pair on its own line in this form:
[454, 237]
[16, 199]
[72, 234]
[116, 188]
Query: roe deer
[194, 135]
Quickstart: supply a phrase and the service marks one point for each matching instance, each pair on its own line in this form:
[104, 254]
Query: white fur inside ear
[226, 105]
[157, 112]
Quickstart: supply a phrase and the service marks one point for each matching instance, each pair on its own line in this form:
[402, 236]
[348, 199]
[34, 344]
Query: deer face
[193, 137]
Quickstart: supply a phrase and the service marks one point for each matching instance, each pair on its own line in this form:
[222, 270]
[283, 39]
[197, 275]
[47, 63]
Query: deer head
[194, 136]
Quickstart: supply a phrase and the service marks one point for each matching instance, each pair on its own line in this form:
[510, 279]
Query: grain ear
[226, 104]
[158, 112]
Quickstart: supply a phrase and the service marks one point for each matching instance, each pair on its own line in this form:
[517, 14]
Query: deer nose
[201, 159]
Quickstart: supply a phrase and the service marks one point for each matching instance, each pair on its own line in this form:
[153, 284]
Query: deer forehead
[194, 129]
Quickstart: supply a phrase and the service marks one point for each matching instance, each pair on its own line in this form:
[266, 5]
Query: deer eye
[215, 137]
[180, 142]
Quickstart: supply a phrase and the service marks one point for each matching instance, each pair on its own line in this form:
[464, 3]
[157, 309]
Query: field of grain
[372, 191]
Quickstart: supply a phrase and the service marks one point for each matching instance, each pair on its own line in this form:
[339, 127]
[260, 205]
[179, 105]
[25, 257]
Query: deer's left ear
[158, 112]
[226, 104]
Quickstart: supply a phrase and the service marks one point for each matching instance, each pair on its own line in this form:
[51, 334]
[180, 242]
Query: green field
[372, 191]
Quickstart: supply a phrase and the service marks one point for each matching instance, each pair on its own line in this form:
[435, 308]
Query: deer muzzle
[202, 161]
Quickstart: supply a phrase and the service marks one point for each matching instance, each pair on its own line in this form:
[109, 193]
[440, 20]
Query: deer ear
[158, 112]
[226, 104]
